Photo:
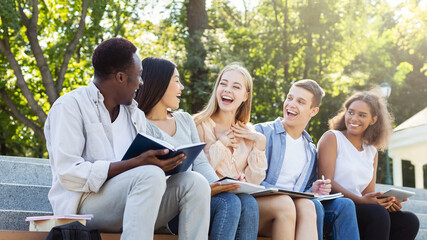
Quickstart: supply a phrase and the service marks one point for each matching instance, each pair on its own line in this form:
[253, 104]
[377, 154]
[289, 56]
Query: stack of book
[46, 223]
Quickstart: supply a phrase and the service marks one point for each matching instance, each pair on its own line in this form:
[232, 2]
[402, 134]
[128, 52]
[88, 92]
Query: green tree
[191, 20]
[45, 51]
[15, 38]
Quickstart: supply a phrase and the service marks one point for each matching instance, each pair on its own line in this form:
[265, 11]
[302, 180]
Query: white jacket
[79, 141]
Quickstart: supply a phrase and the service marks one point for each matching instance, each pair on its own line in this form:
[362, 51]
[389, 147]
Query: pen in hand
[323, 179]
[241, 175]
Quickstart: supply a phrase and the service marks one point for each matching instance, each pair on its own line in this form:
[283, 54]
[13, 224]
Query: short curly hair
[112, 56]
[376, 134]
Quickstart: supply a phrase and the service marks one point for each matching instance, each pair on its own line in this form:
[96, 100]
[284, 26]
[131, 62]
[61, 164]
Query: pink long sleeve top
[248, 159]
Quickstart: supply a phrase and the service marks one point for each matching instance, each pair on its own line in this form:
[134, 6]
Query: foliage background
[345, 45]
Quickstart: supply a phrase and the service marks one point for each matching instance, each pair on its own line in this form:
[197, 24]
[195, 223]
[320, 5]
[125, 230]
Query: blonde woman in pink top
[236, 150]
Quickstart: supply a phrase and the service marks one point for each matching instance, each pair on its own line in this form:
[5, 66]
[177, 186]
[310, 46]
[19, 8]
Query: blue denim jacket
[275, 149]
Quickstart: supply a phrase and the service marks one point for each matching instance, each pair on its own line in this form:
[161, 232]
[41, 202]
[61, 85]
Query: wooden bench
[20, 235]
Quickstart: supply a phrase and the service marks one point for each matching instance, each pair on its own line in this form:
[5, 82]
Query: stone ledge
[25, 197]
[23, 171]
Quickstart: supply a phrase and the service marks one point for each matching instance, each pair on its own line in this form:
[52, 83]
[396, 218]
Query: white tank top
[354, 169]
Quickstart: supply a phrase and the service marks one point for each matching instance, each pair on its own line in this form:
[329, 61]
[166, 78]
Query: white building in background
[409, 142]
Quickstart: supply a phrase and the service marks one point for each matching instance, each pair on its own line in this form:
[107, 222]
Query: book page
[190, 145]
[245, 187]
[278, 191]
[329, 196]
[159, 141]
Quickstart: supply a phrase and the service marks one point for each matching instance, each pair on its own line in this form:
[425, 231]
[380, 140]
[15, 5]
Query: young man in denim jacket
[292, 160]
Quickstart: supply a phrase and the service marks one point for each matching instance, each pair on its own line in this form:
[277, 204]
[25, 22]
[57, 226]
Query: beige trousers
[142, 199]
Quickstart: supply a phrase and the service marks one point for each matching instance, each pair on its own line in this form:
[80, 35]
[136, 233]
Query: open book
[143, 142]
[400, 194]
[293, 194]
[245, 187]
[260, 191]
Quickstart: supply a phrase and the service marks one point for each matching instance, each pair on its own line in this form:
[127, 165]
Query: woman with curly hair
[348, 155]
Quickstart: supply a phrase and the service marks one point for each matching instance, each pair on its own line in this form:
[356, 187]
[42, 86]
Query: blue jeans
[320, 212]
[249, 218]
[340, 219]
[232, 217]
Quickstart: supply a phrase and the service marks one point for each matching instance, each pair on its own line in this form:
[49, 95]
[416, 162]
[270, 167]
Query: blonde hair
[243, 112]
[376, 134]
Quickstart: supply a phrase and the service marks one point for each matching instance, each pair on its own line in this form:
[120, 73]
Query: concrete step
[422, 234]
[25, 183]
[423, 220]
[24, 159]
[24, 197]
[416, 206]
[420, 194]
[25, 171]
[14, 220]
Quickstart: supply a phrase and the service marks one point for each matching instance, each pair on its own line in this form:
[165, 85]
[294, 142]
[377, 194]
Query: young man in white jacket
[87, 132]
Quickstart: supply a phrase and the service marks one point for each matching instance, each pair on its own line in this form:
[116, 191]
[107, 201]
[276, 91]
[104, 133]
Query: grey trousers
[142, 200]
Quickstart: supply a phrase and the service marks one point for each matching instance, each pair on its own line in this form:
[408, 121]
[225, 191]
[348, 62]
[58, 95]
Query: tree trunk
[20, 81]
[31, 32]
[3, 148]
[21, 117]
[320, 57]
[52, 89]
[308, 52]
[275, 13]
[285, 42]
[309, 45]
[71, 47]
[197, 19]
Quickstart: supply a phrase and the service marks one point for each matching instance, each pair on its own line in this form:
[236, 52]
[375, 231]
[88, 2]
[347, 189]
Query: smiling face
[297, 108]
[132, 80]
[171, 97]
[231, 91]
[358, 118]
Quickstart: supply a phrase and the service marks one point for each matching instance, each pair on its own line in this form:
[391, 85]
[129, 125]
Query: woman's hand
[217, 187]
[375, 198]
[370, 198]
[150, 157]
[395, 207]
[322, 187]
[241, 177]
[242, 131]
[386, 202]
[229, 139]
